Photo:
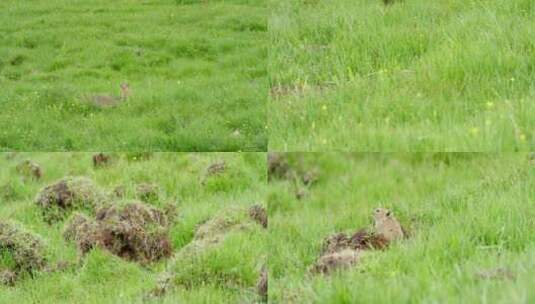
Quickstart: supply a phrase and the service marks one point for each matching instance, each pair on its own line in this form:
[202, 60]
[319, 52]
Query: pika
[336, 261]
[109, 101]
[387, 225]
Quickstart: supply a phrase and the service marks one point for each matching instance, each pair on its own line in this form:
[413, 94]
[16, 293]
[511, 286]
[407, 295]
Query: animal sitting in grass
[387, 225]
[110, 101]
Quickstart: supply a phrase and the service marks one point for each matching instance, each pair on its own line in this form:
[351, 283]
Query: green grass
[197, 70]
[466, 213]
[104, 278]
[416, 75]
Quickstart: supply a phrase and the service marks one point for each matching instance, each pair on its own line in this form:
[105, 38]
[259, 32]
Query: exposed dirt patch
[259, 215]
[70, 193]
[30, 169]
[21, 252]
[134, 231]
[360, 240]
[101, 160]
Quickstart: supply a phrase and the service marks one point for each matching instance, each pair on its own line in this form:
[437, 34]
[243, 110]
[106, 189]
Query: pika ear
[388, 213]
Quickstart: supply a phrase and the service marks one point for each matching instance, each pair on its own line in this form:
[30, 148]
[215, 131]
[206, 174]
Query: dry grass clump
[70, 193]
[133, 231]
[21, 252]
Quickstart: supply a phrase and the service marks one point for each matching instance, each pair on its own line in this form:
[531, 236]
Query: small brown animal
[387, 225]
[109, 101]
[262, 285]
[101, 159]
[336, 260]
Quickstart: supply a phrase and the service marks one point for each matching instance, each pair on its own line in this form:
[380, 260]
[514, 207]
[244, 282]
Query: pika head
[382, 213]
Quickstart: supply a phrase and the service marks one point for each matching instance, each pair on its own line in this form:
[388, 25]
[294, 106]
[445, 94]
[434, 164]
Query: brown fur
[336, 261]
[101, 160]
[387, 225]
[262, 285]
[259, 214]
[109, 101]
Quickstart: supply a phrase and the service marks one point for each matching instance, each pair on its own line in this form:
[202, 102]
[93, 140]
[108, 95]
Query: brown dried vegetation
[21, 252]
[134, 231]
[71, 193]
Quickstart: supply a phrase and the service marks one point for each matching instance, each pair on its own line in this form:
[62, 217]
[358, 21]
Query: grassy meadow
[225, 273]
[196, 69]
[466, 214]
[415, 75]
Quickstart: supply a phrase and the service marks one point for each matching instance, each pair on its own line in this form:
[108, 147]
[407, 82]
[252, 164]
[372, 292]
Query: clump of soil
[21, 252]
[336, 261]
[262, 285]
[147, 192]
[30, 169]
[134, 231]
[101, 160]
[259, 215]
[360, 240]
[83, 231]
[364, 239]
[8, 277]
[70, 193]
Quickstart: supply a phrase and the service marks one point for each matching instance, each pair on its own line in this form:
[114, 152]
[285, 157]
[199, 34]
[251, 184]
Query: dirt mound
[30, 169]
[147, 192]
[360, 240]
[259, 215]
[262, 285]
[101, 160]
[335, 242]
[363, 240]
[70, 193]
[336, 261]
[21, 252]
[133, 231]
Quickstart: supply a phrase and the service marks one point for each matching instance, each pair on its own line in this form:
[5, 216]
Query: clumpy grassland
[196, 69]
[208, 248]
[469, 220]
[415, 75]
